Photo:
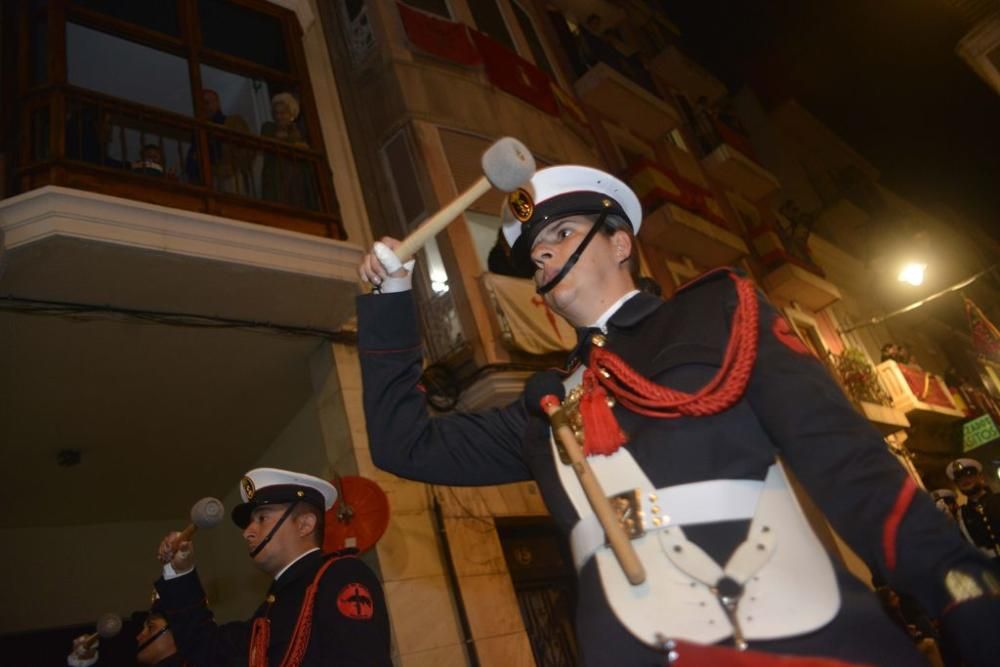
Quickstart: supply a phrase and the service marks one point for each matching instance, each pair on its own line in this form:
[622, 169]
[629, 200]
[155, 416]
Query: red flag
[985, 336]
[515, 75]
[438, 37]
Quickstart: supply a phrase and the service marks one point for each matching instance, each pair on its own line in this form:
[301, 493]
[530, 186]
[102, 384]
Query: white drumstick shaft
[430, 227]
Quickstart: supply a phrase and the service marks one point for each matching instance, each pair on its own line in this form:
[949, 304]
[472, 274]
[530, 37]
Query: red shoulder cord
[608, 373]
[260, 635]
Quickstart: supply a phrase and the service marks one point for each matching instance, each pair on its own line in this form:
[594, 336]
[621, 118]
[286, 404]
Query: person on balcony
[231, 163]
[686, 405]
[150, 162]
[979, 515]
[284, 179]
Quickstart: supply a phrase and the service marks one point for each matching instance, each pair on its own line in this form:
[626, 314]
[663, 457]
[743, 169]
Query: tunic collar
[635, 309]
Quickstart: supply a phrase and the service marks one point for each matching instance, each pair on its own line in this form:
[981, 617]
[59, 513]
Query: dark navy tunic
[350, 620]
[792, 408]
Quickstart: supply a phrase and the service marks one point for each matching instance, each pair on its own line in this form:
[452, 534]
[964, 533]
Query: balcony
[980, 49]
[89, 141]
[728, 155]
[859, 380]
[791, 282]
[618, 97]
[620, 87]
[683, 74]
[684, 218]
[530, 336]
[730, 166]
[922, 396]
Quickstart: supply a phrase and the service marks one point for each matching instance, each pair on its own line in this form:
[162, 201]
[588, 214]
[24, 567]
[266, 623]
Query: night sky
[883, 75]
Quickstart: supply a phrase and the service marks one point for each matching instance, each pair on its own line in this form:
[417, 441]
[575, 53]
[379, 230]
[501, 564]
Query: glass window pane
[489, 20]
[127, 70]
[252, 105]
[437, 7]
[39, 49]
[243, 33]
[159, 15]
[534, 41]
[483, 229]
[40, 133]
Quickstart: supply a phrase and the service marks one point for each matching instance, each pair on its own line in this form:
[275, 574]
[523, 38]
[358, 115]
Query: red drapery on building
[925, 386]
[985, 336]
[512, 73]
[438, 37]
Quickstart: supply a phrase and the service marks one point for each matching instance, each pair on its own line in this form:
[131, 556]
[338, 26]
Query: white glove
[82, 656]
[387, 258]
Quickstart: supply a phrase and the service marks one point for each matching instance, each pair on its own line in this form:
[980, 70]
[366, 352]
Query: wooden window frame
[187, 44]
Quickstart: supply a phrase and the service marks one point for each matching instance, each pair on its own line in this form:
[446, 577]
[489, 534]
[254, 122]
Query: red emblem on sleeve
[782, 330]
[354, 601]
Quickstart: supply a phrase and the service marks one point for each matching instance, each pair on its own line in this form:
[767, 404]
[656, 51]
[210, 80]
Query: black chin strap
[150, 640]
[263, 543]
[571, 262]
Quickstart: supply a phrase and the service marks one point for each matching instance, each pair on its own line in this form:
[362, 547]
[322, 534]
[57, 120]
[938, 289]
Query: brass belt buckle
[627, 507]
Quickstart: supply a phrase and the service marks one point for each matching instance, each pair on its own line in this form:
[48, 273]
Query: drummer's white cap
[557, 192]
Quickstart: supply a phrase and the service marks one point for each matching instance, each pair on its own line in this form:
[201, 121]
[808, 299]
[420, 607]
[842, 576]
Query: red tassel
[601, 433]
[260, 638]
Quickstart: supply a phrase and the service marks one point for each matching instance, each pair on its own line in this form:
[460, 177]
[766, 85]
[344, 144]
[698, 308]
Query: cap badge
[248, 487]
[521, 204]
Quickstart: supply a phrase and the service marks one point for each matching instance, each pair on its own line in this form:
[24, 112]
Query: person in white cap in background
[321, 609]
[154, 643]
[685, 404]
[946, 501]
[979, 516]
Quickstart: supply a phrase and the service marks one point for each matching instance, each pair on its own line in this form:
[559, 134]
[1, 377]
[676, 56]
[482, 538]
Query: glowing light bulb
[913, 273]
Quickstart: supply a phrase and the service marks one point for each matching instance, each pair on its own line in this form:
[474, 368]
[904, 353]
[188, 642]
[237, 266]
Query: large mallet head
[108, 626]
[208, 513]
[508, 164]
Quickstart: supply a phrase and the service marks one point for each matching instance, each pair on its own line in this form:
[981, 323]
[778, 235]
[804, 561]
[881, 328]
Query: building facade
[156, 188]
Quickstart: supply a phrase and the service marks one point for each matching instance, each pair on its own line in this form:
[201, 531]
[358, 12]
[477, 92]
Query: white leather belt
[682, 505]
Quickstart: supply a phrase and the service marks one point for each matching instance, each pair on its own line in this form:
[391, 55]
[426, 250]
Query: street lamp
[913, 273]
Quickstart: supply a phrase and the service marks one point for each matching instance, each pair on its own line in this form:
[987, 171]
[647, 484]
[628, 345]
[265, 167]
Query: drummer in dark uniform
[946, 501]
[684, 405]
[979, 516]
[155, 643]
[321, 609]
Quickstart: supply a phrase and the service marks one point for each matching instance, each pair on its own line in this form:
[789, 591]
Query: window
[158, 15]
[209, 94]
[489, 20]
[358, 30]
[531, 36]
[483, 229]
[437, 7]
[243, 33]
[126, 69]
[397, 156]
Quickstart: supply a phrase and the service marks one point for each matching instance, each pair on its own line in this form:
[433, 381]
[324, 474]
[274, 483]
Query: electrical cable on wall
[86, 311]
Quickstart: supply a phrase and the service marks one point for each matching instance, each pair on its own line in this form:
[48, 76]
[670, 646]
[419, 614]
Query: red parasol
[358, 518]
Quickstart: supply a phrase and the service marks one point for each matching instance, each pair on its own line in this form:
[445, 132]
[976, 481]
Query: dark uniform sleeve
[350, 618]
[476, 448]
[199, 638]
[866, 494]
